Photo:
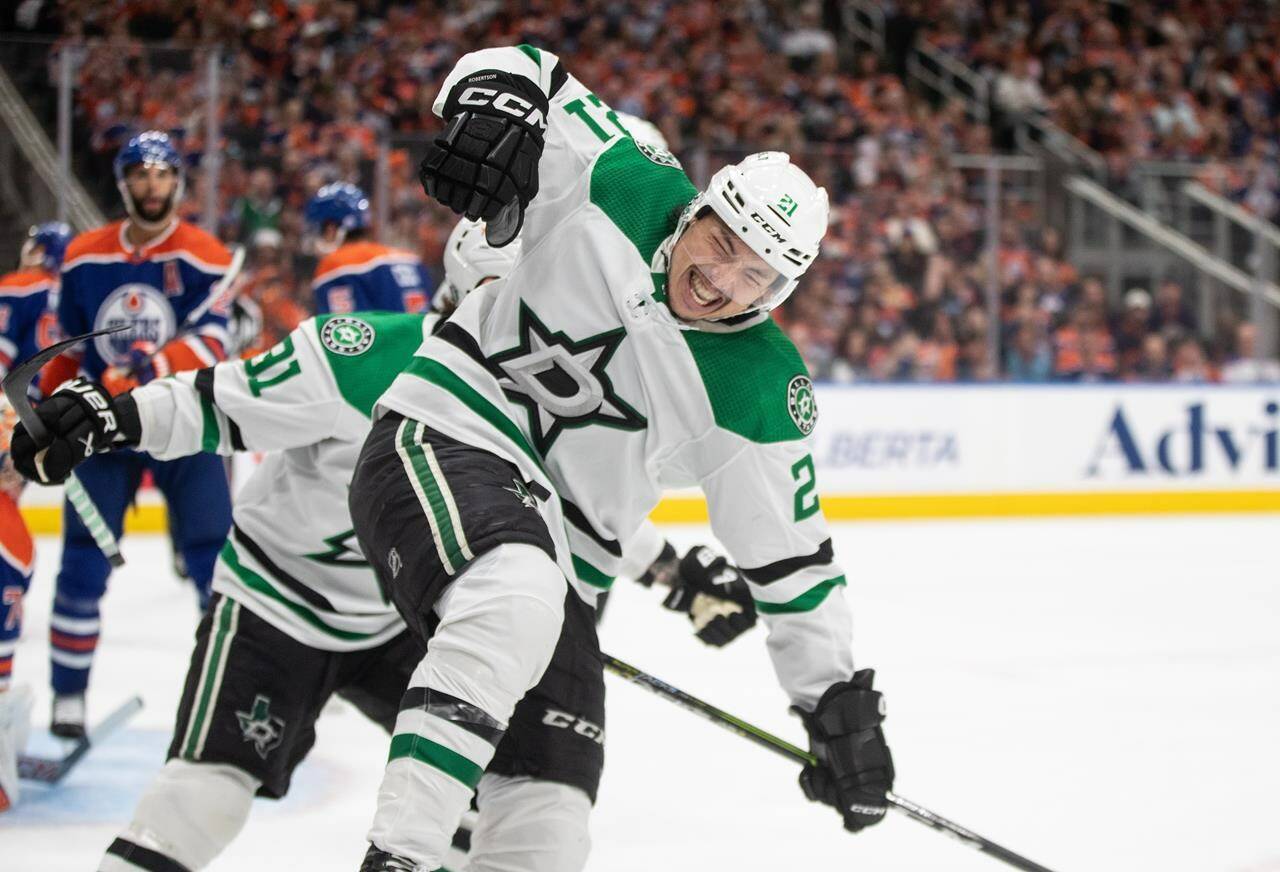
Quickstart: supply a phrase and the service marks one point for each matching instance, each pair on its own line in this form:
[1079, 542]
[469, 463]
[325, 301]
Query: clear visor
[742, 277]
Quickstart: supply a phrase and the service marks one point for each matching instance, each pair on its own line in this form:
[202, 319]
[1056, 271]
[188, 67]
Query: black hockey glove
[714, 594]
[855, 769]
[485, 163]
[83, 420]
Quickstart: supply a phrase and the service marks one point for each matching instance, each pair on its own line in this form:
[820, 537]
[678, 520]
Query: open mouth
[702, 292]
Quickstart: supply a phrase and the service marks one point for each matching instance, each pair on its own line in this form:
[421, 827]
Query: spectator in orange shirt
[1083, 349]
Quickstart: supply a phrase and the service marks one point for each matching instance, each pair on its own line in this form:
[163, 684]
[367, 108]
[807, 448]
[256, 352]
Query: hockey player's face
[151, 187]
[714, 274]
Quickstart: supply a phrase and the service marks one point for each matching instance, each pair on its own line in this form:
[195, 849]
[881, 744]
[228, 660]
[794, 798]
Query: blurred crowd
[1169, 81]
[313, 91]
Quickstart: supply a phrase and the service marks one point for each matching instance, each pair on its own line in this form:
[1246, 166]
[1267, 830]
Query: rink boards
[927, 451]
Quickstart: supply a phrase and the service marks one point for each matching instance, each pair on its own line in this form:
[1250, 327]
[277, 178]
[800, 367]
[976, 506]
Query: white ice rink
[1095, 694]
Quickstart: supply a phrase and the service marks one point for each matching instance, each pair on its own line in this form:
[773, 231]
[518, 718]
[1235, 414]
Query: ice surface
[1095, 694]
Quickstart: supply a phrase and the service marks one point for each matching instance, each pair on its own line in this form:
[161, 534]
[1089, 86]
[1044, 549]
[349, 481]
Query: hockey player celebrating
[631, 350]
[356, 273]
[26, 326]
[162, 279]
[297, 612]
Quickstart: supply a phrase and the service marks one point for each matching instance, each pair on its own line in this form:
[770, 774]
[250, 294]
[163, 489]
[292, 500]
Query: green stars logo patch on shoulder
[660, 156]
[801, 404]
[347, 336]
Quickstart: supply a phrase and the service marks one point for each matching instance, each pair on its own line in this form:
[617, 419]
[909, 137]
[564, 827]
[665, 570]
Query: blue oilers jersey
[367, 276]
[26, 324]
[153, 291]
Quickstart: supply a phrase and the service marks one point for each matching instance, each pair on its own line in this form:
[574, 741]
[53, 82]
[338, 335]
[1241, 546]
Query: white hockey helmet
[643, 132]
[469, 260]
[775, 208]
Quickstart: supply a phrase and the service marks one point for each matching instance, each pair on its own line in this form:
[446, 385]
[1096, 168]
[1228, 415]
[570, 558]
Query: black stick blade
[18, 381]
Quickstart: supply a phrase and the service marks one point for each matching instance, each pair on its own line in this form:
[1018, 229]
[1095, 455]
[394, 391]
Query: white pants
[499, 624]
[527, 825]
[189, 813]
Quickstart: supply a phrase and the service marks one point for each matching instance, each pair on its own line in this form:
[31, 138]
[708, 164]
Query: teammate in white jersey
[298, 614]
[630, 351]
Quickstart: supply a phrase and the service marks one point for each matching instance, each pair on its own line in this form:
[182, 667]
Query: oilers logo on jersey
[143, 310]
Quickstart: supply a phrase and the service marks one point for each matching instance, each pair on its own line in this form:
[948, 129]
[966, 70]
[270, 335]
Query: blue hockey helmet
[53, 237]
[151, 147]
[340, 203]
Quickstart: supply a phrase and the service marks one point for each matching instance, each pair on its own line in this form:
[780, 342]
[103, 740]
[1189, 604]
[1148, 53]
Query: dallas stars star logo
[562, 382]
[344, 550]
[522, 494]
[260, 727]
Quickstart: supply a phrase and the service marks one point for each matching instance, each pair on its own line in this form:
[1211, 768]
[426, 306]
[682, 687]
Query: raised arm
[518, 127]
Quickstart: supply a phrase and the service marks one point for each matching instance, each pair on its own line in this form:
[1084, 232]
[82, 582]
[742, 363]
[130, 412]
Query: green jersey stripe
[441, 376]
[448, 761]
[211, 435]
[588, 573]
[533, 53]
[256, 583]
[806, 602]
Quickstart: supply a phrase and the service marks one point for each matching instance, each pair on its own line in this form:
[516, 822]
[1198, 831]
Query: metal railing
[1225, 210]
[950, 79]
[1260, 289]
[1038, 133]
[68, 198]
[953, 79]
[864, 21]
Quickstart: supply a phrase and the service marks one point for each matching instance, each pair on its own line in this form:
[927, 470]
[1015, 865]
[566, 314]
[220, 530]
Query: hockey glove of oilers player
[82, 420]
[485, 163]
[145, 363]
[714, 594]
[855, 769]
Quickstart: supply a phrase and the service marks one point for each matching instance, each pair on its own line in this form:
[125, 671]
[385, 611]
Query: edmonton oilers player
[162, 279]
[25, 294]
[26, 326]
[357, 274]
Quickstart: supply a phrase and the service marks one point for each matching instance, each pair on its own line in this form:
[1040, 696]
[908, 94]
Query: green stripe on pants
[448, 761]
[436, 500]
[210, 676]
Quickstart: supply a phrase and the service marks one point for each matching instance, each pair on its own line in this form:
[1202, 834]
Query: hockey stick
[15, 386]
[797, 755]
[222, 286]
[51, 770]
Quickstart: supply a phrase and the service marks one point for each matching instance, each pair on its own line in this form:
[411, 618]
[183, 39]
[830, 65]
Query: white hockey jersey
[292, 556]
[579, 374]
